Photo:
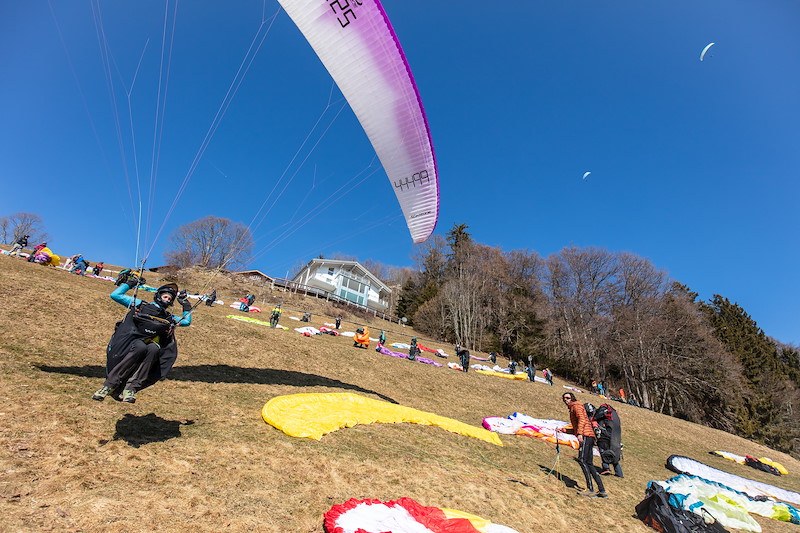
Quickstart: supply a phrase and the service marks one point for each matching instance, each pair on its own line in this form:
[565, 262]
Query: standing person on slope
[275, 316]
[21, 243]
[143, 347]
[582, 428]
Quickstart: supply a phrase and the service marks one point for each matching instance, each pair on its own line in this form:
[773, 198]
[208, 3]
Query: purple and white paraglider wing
[358, 46]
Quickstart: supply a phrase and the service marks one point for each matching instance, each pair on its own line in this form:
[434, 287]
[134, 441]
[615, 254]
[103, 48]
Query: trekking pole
[557, 459]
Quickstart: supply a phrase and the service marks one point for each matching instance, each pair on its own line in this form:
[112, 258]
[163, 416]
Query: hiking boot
[602, 494]
[101, 394]
[129, 396]
[587, 493]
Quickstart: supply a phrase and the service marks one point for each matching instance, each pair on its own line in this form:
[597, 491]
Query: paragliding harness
[603, 412]
[657, 511]
[156, 328]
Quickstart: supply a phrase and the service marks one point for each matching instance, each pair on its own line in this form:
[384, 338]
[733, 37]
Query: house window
[330, 271]
[354, 285]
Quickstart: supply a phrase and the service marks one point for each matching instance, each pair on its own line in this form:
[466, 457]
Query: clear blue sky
[694, 165]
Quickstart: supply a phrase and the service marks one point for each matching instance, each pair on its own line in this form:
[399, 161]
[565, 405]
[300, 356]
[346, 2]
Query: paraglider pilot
[143, 347]
[531, 369]
[582, 428]
[275, 316]
[211, 298]
[463, 355]
[21, 243]
[413, 350]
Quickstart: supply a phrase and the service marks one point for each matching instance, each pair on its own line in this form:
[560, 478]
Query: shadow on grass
[228, 374]
[568, 481]
[140, 430]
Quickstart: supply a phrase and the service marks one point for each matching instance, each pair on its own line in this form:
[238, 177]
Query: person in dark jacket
[143, 347]
[413, 350]
[463, 356]
[531, 369]
[211, 298]
[493, 357]
[338, 321]
[21, 243]
[609, 439]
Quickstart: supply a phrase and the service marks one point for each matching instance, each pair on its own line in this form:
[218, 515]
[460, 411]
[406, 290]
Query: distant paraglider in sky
[360, 49]
[586, 176]
[703, 53]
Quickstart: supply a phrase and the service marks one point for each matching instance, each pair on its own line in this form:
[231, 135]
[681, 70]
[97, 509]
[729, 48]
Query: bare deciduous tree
[579, 282]
[14, 226]
[211, 242]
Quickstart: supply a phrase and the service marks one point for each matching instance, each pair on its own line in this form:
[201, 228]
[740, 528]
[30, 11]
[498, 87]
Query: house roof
[342, 262]
[253, 273]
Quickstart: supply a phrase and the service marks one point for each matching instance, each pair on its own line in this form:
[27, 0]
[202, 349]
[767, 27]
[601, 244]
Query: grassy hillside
[194, 451]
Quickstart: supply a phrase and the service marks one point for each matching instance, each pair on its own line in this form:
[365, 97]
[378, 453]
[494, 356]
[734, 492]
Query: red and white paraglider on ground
[403, 516]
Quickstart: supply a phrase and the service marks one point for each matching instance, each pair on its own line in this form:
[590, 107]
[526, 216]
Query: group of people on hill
[246, 301]
[529, 367]
[601, 389]
[21, 243]
[75, 264]
[38, 253]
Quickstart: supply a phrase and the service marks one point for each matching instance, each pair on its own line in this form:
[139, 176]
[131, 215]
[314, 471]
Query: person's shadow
[229, 374]
[140, 430]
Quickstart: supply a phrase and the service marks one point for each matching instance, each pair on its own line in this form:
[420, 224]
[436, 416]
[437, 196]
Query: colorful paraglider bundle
[659, 512]
[361, 338]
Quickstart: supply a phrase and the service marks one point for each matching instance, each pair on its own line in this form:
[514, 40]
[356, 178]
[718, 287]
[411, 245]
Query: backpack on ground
[657, 512]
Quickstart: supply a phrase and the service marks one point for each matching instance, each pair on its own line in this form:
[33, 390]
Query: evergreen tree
[765, 408]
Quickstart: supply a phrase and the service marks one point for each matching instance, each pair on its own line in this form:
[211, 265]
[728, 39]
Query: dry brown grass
[194, 451]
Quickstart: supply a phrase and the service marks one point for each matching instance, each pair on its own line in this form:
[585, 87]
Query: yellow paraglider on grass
[312, 415]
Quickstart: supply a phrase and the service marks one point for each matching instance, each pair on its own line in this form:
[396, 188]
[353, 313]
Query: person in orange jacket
[582, 428]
